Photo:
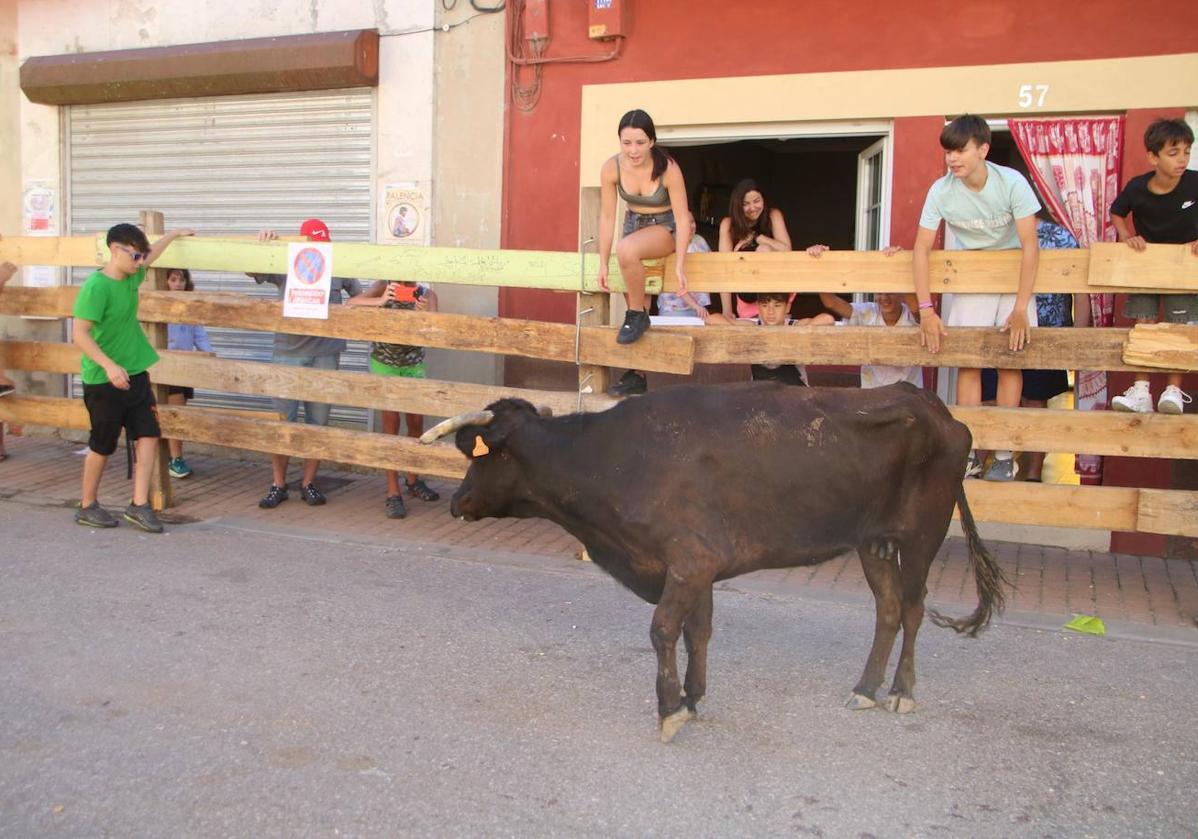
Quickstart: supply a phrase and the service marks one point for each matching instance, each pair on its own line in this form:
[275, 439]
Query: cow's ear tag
[480, 448]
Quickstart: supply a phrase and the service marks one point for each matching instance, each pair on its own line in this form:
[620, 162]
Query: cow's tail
[987, 574]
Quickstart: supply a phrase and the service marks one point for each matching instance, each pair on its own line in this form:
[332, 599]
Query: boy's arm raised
[164, 242]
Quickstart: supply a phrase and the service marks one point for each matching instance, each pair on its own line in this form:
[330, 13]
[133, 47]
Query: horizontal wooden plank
[1024, 429]
[660, 350]
[1053, 505]
[1082, 432]
[1169, 511]
[1168, 346]
[257, 433]
[337, 387]
[665, 349]
[1102, 508]
[1050, 349]
[1163, 266]
[835, 271]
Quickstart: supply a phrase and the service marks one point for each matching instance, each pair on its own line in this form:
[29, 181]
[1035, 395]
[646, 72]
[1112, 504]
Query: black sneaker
[394, 508]
[419, 489]
[312, 496]
[143, 516]
[631, 383]
[5, 390]
[275, 496]
[94, 515]
[635, 323]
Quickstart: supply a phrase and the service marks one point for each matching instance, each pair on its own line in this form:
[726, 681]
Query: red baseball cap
[315, 229]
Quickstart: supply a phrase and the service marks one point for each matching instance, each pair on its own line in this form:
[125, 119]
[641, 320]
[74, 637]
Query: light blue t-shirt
[983, 220]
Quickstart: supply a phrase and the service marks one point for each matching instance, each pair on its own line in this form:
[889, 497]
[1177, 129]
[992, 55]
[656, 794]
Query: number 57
[1032, 93]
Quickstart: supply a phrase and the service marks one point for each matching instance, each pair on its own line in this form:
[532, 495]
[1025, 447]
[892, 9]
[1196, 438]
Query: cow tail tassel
[987, 573]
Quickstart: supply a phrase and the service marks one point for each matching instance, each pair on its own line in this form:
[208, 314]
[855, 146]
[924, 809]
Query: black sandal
[419, 489]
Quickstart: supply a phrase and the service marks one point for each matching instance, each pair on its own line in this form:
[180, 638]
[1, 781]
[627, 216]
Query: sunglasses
[136, 256]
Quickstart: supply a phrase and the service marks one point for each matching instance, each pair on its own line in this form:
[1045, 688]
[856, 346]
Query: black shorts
[112, 409]
[788, 374]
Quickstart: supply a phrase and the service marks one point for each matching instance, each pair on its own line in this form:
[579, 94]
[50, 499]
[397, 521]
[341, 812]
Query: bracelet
[928, 305]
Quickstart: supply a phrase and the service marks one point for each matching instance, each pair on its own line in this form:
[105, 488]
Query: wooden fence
[591, 345]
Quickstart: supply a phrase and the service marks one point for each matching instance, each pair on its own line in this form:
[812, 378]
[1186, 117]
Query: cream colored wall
[468, 167]
[695, 105]
[422, 69]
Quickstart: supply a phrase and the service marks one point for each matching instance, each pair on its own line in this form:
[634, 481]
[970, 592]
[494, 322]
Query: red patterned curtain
[1075, 165]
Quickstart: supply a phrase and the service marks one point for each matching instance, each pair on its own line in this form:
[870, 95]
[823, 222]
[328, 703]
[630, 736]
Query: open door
[873, 197]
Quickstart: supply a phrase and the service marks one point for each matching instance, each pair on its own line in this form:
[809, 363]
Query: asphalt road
[224, 681]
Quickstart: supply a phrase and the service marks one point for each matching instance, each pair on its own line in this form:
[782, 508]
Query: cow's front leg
[696, 632]
[677, 601]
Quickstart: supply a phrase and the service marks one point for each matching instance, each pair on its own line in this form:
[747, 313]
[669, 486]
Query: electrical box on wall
[606, 19]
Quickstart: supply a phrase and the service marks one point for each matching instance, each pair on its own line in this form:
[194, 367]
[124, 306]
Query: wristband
[928, 305]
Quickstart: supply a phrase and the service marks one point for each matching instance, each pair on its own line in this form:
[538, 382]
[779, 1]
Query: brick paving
[1051, 583]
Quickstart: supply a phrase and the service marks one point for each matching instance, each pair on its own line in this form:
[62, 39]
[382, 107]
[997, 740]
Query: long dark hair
[639, 119]
[188, 285]
[741, 226]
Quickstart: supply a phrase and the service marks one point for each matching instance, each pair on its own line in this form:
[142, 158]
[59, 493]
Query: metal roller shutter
[228, 165]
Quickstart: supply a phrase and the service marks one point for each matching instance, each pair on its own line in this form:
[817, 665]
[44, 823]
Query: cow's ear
[480, 447]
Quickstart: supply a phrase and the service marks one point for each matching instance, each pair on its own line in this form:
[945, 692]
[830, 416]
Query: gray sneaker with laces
[93, 515]
[1002, 470]
[143, 516]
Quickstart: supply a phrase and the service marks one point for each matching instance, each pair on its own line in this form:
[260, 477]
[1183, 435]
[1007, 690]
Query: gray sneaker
[1002, 470]
[94, 515]
[143, 516]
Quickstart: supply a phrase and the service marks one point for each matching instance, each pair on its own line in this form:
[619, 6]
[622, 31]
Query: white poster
[309, 280]
[405, 213]
[38, 209]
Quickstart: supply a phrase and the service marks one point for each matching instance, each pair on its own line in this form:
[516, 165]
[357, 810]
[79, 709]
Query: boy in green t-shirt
[116, 387]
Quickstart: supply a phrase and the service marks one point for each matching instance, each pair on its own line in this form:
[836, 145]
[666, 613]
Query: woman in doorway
[651, 184]
[753, 224]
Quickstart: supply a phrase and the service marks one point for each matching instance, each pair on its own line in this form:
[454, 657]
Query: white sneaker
[1136, 399]
[1173, 400]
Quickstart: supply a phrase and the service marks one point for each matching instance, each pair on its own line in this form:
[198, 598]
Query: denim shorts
[315, 413]
[1179, 308]
[635, 221]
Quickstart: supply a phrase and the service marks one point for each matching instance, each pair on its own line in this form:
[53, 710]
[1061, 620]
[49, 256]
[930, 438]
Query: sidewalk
[1051, 583]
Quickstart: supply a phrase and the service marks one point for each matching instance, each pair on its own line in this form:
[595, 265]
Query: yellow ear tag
[480, 448]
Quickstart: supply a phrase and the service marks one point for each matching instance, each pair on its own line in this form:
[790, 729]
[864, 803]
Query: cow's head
[494, 484]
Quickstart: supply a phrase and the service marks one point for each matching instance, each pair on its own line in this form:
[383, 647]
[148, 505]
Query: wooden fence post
[160, 480]
[594, 309]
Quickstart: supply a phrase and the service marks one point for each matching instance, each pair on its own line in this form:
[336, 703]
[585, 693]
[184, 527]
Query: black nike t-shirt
[1170, 219]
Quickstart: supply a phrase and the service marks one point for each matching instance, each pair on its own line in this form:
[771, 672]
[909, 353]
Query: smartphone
[405, 293]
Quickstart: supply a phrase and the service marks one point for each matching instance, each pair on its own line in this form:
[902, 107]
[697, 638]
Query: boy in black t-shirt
[1164, 206]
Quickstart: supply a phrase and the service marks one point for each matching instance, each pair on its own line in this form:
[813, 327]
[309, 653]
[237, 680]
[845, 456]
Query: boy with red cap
[303, 351]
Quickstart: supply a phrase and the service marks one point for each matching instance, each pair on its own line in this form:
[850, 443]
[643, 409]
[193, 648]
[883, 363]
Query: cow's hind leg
[696, 632]
[914, 564]
[881, 572]
[678, 601]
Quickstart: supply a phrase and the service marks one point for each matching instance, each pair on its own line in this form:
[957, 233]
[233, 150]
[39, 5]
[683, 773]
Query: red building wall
[674, 40]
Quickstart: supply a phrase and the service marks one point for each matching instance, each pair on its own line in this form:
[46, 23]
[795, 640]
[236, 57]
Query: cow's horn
[544, 411]
[454, 423]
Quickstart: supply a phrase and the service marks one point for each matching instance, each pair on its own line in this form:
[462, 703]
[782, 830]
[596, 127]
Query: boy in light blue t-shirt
[987, 207]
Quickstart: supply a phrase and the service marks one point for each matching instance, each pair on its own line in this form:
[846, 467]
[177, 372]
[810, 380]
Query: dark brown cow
[675, 490]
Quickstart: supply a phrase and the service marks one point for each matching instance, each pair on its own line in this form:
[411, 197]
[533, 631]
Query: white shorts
[983, 309]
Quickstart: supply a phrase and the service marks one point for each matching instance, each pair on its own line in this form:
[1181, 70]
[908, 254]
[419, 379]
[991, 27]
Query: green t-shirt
[111, 306]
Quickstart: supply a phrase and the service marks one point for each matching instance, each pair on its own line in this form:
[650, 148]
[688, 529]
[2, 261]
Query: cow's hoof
[672, 724]
[899, 704]
[860, 702]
